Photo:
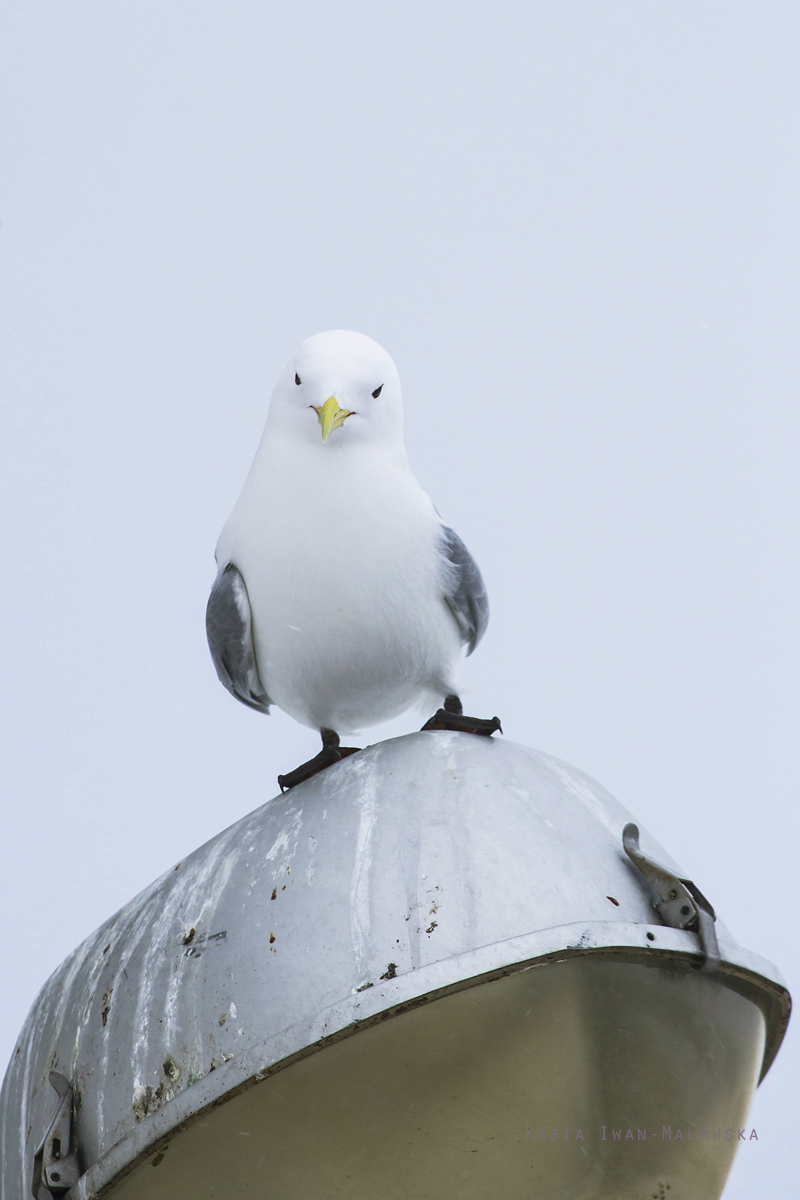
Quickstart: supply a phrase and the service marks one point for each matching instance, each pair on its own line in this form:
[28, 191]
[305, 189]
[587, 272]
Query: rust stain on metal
[171, 1068]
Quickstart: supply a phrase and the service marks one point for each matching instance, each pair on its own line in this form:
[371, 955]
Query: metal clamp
[56, 1167]
[680, 902]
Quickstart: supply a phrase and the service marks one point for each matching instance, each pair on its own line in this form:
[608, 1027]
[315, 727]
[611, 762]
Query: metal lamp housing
[420, 974]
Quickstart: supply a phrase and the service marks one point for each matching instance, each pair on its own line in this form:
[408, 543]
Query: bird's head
[339, 389]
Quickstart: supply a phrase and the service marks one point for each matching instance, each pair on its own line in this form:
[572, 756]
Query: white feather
[339, 548]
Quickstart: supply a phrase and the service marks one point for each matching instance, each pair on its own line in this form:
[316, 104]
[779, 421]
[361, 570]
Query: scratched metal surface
[416, 852]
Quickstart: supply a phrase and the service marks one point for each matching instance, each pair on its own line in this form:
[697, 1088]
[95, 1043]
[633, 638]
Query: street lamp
[446, 966]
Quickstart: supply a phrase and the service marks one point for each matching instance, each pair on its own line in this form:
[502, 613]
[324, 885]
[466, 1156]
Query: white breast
[338, 550]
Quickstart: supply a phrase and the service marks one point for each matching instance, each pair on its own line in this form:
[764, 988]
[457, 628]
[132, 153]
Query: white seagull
[340, 594]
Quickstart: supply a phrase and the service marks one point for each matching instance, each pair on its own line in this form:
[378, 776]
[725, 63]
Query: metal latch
[680, 902]
[55, 1165]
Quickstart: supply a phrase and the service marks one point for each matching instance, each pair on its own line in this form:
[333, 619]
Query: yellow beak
[330, 416]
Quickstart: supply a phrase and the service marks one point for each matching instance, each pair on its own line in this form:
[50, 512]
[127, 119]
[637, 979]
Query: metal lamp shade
[409, 977]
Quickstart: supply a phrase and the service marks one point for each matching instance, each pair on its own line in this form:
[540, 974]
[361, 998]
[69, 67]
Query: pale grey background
[574, 226]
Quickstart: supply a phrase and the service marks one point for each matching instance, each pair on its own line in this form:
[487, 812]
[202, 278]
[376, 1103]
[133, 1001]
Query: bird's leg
[331, 739]
[330, 753]
[452, 717]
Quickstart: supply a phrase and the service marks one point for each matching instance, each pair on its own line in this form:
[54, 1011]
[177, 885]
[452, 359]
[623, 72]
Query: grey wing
[229, 628]
[465, 592]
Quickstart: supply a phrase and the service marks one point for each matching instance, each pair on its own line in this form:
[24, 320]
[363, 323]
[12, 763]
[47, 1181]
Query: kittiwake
[341, 596]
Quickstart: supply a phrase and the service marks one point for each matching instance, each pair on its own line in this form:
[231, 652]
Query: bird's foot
[330, 753]
[452, 717]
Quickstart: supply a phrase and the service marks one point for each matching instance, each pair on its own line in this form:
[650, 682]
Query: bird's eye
[377, 392]
[297, 378]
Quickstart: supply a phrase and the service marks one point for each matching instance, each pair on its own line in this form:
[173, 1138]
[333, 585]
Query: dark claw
[330, 753]
[444, 719]
[327, 756]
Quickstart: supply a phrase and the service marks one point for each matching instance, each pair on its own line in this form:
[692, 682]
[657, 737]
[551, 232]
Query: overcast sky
[574, 225]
